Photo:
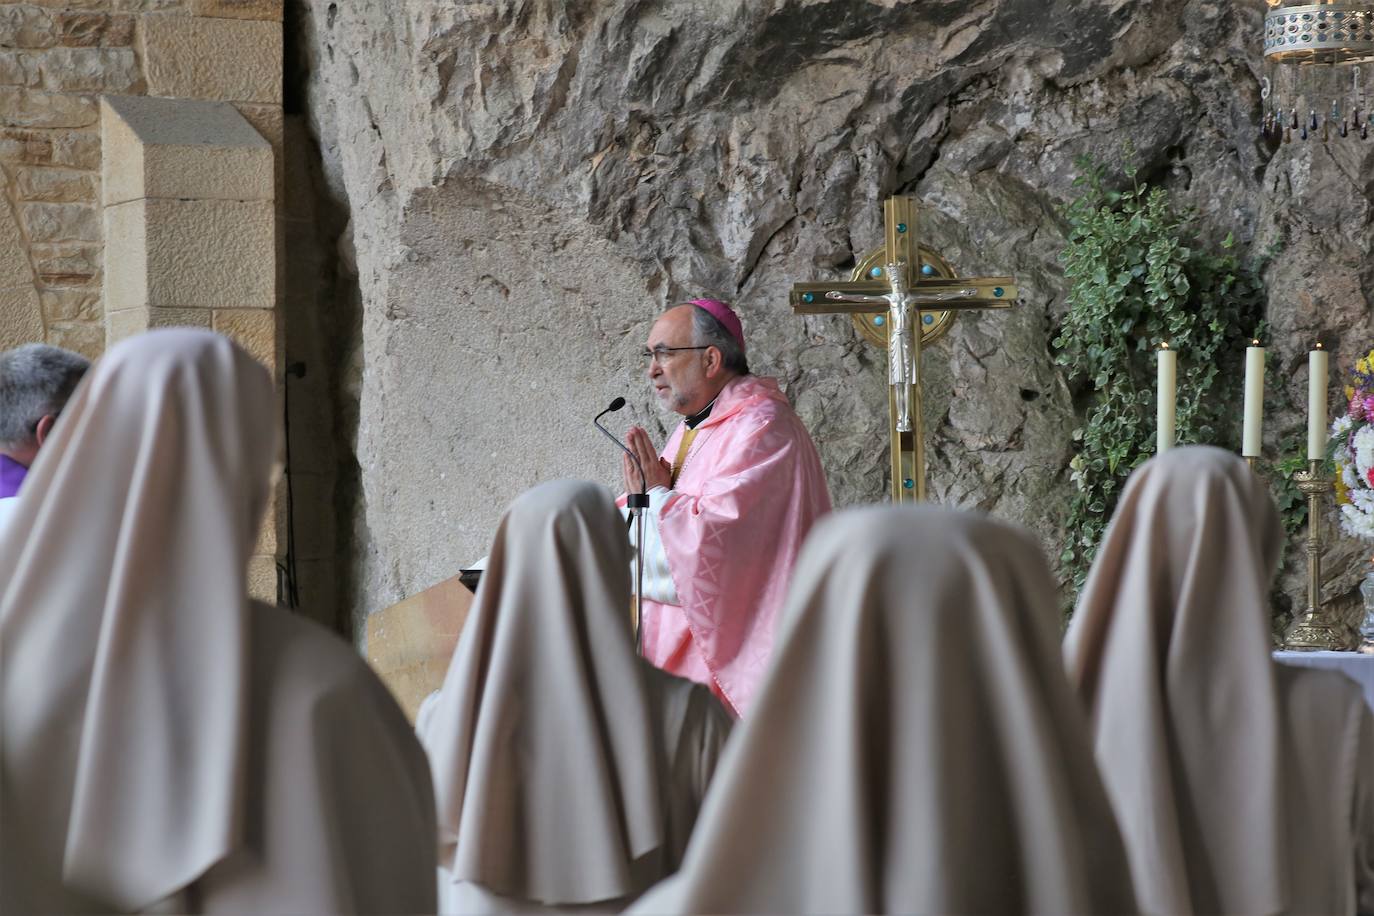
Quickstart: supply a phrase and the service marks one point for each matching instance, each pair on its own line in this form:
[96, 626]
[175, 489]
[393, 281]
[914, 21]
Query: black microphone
[638, 500]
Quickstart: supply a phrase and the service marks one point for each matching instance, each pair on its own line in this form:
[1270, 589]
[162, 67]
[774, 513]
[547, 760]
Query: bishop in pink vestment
[728, 511]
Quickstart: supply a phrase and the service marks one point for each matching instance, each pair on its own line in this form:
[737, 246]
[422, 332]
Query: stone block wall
[57, 58]
[190, 239]
[182, 193]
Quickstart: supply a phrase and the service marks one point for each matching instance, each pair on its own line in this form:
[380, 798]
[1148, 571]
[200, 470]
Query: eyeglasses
[661, 353]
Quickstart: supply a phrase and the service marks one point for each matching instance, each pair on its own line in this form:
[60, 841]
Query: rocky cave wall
[527, 184]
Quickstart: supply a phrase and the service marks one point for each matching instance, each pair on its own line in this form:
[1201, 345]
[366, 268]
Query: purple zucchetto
[724, 314]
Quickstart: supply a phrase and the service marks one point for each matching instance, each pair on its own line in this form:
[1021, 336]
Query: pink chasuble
[748, 494]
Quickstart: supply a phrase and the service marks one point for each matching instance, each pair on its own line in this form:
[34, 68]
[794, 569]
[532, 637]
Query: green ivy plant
[1140, 275]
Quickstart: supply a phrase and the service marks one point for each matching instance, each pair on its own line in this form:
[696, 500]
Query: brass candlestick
[1315, 628]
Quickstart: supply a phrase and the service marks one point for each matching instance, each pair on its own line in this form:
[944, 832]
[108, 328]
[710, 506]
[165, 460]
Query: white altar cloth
[1357, 667]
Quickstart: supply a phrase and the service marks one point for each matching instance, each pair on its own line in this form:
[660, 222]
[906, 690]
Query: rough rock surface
[529, 183]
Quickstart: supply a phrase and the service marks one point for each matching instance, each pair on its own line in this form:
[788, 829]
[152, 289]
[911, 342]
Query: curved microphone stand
[636, 503]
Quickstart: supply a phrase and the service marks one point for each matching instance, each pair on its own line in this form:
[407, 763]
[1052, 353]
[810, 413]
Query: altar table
[1357, 667]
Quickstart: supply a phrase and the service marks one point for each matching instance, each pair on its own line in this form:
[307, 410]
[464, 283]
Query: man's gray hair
[707, 331]
[35, 381]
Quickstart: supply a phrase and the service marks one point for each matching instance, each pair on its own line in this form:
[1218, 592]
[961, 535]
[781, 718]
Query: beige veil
[1170, 649]
[915, 747]
[541, 742]
[123, 623]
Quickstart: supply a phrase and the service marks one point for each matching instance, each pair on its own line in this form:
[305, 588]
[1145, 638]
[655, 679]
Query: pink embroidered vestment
[749, 491]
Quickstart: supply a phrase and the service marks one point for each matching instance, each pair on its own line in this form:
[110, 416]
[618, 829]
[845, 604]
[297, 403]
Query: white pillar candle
[1251, 437]
[1317, 364]
[1167, 394]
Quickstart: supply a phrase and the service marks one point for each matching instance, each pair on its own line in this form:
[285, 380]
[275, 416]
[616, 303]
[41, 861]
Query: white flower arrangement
[1353, 437]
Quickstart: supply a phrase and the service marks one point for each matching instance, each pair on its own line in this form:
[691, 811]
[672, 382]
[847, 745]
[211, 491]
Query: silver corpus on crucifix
[903, 356]
[885, 297]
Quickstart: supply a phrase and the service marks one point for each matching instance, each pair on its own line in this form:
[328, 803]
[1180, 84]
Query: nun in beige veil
[1241, 786]
[165, 743]
[915, 747]
[568, 771]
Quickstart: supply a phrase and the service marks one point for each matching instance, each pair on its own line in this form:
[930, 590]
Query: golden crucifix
[885, 296]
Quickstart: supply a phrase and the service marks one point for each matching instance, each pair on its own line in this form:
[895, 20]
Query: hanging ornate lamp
[1317, 59]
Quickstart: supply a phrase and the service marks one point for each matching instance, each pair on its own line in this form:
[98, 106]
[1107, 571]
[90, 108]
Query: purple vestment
[11, 476]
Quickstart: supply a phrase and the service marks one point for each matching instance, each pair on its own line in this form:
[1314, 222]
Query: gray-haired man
[731, 496]
[35, 382]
